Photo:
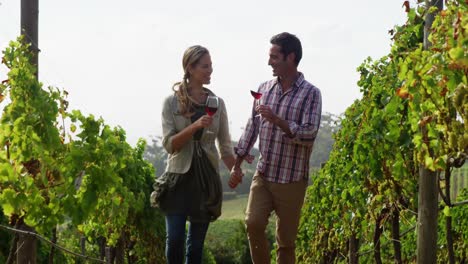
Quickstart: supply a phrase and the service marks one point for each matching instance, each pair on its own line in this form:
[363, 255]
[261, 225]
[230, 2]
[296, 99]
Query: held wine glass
[211, 106]
[256, 96]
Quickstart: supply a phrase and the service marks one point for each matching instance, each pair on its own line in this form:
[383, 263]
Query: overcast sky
[119, 59]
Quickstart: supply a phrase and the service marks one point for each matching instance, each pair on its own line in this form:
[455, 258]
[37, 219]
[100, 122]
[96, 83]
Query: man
[287, 120]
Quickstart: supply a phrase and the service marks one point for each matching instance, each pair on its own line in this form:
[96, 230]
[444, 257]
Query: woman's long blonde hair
[192, 56]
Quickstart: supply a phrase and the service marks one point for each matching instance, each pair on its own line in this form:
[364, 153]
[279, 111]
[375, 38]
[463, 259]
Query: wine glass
[211, 106]
[256, 96]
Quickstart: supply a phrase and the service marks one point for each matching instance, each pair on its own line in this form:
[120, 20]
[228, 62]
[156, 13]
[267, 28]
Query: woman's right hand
[203, 122]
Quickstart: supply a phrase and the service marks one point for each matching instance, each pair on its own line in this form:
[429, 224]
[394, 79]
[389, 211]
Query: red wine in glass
[211, 106]
[255, 95]
[211, 110]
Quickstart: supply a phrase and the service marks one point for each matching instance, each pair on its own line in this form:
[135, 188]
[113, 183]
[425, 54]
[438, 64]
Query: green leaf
[8, 209]
[403, 70]
[8, 200]
[378, 198]
[456, 53]
[447, 211]
[429, 162]
[116, 201]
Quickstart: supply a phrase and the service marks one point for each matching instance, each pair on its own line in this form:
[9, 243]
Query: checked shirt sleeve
[248, 138]
[305, 133]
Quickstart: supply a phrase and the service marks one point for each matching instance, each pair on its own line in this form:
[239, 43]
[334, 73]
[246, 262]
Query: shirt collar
[299, 80]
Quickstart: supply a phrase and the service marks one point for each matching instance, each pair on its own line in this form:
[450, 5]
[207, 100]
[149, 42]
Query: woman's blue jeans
[175, 239]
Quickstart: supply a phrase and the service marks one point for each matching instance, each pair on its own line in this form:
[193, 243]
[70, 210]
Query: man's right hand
[236, 177]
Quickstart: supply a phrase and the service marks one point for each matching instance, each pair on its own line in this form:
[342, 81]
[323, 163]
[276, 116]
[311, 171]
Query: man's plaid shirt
[284, 159]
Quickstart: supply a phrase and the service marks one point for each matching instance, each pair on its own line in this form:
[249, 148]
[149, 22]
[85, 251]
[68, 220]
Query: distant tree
[329, 124]
[156, 155]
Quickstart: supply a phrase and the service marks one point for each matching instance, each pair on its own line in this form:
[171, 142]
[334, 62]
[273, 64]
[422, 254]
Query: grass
[234, 208]
[226, 237]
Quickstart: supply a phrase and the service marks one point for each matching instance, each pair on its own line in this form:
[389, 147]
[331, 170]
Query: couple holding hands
[285, 119]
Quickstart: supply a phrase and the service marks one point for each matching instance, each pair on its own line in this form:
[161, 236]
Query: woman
[192, 183]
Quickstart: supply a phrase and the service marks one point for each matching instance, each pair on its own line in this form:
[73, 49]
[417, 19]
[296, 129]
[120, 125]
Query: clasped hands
[236, 177]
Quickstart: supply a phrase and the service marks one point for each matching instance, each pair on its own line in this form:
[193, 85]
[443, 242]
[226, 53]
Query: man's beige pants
[286, 201]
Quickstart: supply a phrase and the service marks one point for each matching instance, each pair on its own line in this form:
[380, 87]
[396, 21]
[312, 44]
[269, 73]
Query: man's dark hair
[289, 43]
